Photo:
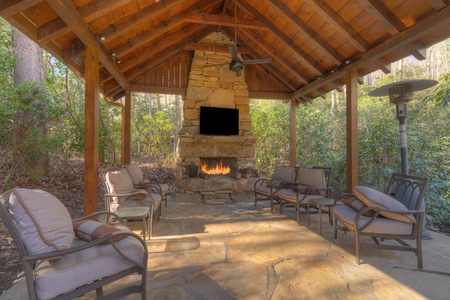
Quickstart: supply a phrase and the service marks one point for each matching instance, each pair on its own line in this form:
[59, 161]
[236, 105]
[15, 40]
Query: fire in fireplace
[216, 166]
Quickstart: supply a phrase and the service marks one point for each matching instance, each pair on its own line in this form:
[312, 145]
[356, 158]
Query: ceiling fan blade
[213, 65]
[257, 61]
[234, 55]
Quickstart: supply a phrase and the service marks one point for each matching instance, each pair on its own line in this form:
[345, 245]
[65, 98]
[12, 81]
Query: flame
[218, 170]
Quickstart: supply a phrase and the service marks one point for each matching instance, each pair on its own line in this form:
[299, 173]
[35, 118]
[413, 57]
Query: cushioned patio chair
[64, 258]
[396, 214]
[310, 183]
[139, 182]
[121, 194]
[266, 188]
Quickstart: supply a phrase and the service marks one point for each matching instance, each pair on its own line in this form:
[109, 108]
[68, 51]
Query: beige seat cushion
[43, 221]
[292, 196]
[380, 225]
[135, 173]
[119, 182]
[371, 197]
[283, 174]
[76, 269]
[311, 177]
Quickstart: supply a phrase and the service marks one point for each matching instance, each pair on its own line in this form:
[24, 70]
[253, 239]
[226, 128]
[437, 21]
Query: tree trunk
[30, 128]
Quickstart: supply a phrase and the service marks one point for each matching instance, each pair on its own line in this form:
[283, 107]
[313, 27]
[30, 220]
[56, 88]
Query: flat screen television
[219, 121]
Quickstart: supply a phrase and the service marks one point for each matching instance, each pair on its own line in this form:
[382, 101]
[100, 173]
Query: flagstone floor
[239, 251]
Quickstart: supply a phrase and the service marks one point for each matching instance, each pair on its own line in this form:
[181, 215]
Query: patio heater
[400, 93]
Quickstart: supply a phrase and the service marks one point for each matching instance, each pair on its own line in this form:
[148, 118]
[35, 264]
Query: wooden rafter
[302, 56]
[305, 30]
[383, 15]
[57, 27]
[338, 23]
[412, 34]
[69, 13]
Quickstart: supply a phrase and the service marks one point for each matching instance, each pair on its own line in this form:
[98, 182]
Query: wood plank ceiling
[147, 45]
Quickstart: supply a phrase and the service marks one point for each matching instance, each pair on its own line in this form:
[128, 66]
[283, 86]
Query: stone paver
[239, 251]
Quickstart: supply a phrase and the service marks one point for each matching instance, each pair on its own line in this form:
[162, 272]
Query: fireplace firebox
[217, 166]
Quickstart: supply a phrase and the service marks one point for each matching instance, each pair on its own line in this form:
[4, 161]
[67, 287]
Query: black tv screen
[219, 121]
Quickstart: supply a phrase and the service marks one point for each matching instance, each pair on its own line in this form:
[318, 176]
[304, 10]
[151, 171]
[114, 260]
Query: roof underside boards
[148, 45]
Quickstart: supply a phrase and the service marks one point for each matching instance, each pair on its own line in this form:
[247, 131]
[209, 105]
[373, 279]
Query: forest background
[156, 120]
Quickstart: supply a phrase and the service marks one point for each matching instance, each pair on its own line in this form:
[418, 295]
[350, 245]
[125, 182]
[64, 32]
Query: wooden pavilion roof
[311, 42]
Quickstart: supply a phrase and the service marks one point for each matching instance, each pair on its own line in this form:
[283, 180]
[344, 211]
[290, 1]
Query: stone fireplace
[215, 86]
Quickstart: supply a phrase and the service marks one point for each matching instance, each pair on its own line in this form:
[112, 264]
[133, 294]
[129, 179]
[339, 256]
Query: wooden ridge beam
[224, 21]
[305, 30]
[69, 13]
[213, 48]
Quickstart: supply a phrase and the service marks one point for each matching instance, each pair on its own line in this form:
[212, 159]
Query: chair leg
[298, 213]
[357, 248]
[150, 223]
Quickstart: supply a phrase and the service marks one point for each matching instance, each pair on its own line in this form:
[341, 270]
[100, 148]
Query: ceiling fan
[237, 65]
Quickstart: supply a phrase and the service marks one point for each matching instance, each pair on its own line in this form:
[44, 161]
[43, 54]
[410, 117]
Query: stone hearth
[215, 86]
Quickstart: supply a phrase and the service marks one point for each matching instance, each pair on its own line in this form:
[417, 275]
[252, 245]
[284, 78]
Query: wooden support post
[126, 129]
[293, 104]
[91, 112]
[352, 128]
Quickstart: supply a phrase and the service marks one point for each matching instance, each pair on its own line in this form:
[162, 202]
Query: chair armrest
[342, 197]
[107, 238]
[99, 214]
[261, 181]
[142, 191]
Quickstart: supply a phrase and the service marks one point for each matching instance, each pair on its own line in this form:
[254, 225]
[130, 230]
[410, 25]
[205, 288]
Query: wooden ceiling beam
[214, 48]
[272, 52]
[57, 27]
[305, 30]
[188, 34]
[438, 4]
[145, 88]
[225, 7]
[387, 19]
[155, 61]
[145, 16]
[384, 65]
[135, 42]
[224, 21]
[181, 42]
[338, 23]
[414, 33]
[270, 69]
[417, 49]
[276, 74]
[301, 55]
[11, 7]
[166, 55]
[69, 13]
